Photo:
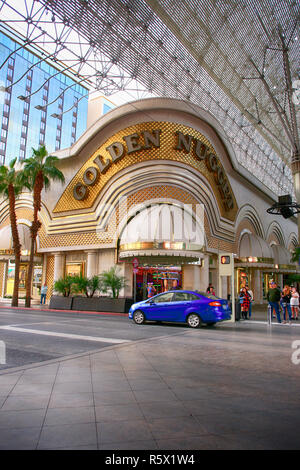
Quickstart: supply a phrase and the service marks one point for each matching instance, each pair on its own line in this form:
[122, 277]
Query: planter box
[101, 304]
[59, 302]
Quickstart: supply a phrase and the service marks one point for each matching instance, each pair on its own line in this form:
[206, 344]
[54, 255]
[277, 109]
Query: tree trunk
[29, 274]
[16, 243]
[35, 226]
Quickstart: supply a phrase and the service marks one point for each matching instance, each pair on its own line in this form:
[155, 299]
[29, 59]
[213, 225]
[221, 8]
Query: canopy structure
[24, 235]
[237, 59]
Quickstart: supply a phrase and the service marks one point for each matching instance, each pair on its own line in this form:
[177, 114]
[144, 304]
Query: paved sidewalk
[230, 387]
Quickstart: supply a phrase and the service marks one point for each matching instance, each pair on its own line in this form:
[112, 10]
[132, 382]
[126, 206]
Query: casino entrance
[163, 244]
[159, 278]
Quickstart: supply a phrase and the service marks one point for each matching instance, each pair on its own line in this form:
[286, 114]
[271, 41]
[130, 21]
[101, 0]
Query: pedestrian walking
[44, 290]
[245, 302]
[285, 303]
[151, 290]
[211, 290]
[273, 297]
[251, 300]
[295, 303]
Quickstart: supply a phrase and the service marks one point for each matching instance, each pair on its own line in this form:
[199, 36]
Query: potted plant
[112, 283]
[64, 300]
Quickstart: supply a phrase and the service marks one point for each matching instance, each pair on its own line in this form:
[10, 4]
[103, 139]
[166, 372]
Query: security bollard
[269, 315]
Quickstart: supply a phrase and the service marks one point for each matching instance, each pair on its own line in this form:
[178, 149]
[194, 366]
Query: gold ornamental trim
[145, 142]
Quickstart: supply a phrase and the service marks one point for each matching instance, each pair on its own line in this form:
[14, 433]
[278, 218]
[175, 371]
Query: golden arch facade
[126, 160]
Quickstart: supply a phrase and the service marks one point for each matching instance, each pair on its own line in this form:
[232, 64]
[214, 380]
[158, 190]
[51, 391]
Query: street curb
[63, 311]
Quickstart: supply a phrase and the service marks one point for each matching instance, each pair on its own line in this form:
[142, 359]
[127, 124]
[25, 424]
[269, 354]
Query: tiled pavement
[233, 387]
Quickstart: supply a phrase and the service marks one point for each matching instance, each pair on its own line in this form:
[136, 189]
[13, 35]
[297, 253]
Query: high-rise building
[34, 101]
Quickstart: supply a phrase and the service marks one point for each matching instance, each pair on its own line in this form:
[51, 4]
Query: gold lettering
[132, 143]
[103, 166]
[116, 151]
[183, 142]
[151, 140]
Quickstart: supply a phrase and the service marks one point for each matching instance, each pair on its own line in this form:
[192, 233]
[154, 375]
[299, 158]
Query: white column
[106, 260]
[191, 277]
[92, 263]
[59, 261]
[204, 274]
[126, 270]
[257, 291]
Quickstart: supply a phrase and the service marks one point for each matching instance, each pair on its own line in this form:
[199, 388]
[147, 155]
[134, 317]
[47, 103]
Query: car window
[209, 296]
[194, 297]
[168, 297]
[185, 296]
[182, 296]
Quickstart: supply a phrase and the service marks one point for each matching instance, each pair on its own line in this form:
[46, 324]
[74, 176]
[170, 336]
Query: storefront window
[74, 269]
[162, 278]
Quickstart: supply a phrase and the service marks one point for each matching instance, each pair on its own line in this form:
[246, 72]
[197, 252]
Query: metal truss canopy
[237, 59]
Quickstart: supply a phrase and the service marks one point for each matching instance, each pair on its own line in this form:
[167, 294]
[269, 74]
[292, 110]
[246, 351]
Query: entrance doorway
[162, 278]
[36, 279]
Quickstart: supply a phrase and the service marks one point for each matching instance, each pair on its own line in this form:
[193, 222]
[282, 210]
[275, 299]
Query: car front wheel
[193, 320]
[139, 317]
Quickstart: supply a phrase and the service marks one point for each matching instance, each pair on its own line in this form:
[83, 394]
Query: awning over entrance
[163, 234]
[6, 242]
[254, 251]
[282, 259]
[162, 258]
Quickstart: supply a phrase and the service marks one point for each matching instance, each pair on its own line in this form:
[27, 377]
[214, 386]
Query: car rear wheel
[138, 317]
[193, 320]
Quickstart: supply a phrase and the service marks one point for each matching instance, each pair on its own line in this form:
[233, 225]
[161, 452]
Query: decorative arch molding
[275, 231]
[149, 142]
[292, 241]
[249, 213]
[132, 180]
[24, 210]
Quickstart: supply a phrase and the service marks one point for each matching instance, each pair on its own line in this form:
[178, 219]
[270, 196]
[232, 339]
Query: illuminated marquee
[146, 140]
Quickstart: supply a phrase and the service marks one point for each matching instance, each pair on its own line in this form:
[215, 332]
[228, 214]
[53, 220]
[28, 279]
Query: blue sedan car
[193, 308]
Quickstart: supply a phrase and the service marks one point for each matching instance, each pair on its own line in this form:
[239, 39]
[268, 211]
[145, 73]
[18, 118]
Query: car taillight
[215, 304]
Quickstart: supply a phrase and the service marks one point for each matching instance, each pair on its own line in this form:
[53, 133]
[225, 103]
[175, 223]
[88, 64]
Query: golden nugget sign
[146, 140]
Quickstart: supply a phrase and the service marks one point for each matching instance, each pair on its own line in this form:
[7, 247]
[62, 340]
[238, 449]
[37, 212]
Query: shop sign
[147, 140]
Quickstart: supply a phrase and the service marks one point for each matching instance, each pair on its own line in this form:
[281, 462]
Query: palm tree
[296, 255]
[11, 186]
[39, 170]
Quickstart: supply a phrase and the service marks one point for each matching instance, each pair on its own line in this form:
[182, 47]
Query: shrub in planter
[112, 282]
[86, 286]
[64, 286]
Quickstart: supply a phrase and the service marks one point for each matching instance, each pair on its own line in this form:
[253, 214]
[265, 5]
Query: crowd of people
[285, 302]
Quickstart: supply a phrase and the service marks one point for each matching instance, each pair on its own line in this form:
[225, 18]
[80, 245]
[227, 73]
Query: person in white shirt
[44, 293]
[294, 302]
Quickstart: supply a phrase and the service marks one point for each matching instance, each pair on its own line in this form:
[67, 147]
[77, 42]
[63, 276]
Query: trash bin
[237, 310]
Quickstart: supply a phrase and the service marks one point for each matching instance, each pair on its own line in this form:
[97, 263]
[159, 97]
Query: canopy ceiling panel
[238, 59]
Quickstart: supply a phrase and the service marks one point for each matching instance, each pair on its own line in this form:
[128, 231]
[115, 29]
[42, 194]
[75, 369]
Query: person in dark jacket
[273, 297]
